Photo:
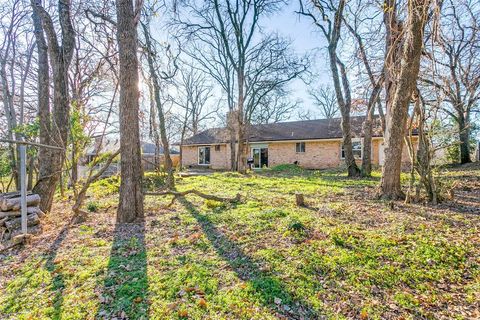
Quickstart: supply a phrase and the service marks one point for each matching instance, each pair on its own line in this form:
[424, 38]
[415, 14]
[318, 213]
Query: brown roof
[294, 130]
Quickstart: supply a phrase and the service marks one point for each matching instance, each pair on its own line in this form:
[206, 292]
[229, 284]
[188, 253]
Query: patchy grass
[345, 255]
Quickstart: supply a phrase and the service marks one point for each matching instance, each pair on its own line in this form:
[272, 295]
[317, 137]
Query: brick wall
[218, 159]
[317, 155]
[324, 154]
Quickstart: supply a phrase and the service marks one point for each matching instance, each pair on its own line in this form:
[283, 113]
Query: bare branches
[325, 100]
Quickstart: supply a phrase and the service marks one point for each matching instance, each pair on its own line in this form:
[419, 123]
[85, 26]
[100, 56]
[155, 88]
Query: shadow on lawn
[125, 287]
[267, 286]
[58, 281]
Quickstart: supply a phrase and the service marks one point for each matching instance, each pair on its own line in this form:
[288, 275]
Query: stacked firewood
[11, 215]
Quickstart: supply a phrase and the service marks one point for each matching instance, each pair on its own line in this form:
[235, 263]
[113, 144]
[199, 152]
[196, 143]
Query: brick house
[312, 144]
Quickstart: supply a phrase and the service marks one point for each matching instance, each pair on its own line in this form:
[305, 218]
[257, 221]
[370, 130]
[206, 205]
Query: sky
[305, 40]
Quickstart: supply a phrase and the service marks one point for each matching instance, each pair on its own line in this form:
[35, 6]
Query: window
[217, 147]
[300, 147]
[203, 155]
[357, 149]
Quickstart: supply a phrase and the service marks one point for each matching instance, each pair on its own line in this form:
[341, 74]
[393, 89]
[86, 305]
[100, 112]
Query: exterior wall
[318, 154]
[218, 159]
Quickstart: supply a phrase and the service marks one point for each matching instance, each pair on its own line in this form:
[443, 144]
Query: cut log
[18, 213]
[33, 230]
[299, 199]
[16, 240]
[9, 204]
[9, 195]
[32, 220]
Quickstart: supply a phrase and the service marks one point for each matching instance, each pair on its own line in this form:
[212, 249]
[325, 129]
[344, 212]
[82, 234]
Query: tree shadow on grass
[267, 286]
[125, 287]
[58, 280]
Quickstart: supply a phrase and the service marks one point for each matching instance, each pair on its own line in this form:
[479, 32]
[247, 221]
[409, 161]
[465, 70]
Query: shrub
[92, 206]
[288, 168]
[106, 186]
[296, 225]
[153, 181]
[212, 204]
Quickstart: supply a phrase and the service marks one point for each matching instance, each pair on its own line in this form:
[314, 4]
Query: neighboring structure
[312, 144]
[151, 157]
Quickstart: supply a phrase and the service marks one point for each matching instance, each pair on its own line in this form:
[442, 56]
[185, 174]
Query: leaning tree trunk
[344, 103]
[345, 106]
[398, 112]
[130, 204]
[170, 183]
[464, 135]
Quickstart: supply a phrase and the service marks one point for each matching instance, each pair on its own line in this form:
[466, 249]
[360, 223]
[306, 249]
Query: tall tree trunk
[464, 135]
[344, 103]
[368, 130]
[130, 205]
[241, 165]
[232, 125]
[345, 106]
[367, 146]
[74, 170]
[56, 132]
[170, 183]
[398, 111]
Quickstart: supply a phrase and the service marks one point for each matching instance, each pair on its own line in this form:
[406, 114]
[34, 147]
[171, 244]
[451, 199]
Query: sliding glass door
[260, 157]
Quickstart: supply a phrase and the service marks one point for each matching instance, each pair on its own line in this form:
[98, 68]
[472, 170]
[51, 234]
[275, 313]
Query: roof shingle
[294, 130]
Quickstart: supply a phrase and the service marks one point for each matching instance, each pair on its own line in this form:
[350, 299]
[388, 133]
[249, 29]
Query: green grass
[345, 255]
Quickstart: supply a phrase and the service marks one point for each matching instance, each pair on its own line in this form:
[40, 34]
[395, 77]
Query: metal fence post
[23, 186]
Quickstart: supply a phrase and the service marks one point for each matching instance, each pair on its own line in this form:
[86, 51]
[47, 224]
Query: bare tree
[321, 14]
[131, 195]
[215, 63]
[233, 29]
[151, 53]
[274, 107]
[404, 69]
[373, 78]
[193, 91]
[326, 102]
[54, 124]
[456, 57]
[12, 27]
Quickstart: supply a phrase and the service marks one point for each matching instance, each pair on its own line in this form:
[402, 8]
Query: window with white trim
[300, 147]
[357, 148]
[203, 155]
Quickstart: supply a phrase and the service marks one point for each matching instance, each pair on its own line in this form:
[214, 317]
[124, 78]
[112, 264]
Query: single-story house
[312, 144]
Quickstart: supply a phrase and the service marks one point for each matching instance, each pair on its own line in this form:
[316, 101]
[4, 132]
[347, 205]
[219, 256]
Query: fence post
[23, 186]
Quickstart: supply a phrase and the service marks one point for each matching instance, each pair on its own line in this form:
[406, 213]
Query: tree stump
[299, 199]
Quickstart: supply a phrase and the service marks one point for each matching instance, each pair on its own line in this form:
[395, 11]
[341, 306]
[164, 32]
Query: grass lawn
[346, 255]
